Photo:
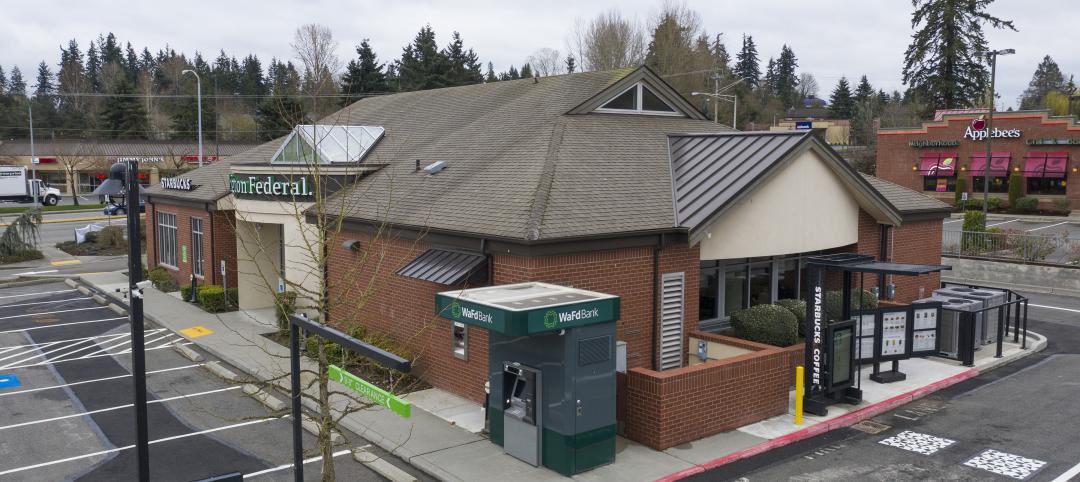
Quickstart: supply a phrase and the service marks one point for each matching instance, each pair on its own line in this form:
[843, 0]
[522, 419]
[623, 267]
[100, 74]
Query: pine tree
[251, 82]
[944, 61]
[746, 62]
[131, 64]
[276, 116]
[769, 85]
[44, 101]
[490, 76]
[16, 84]
[864, 91]
[526, 71]
[185, 116]
[93, 70]
[841, 104]
[3, 82]
[571, 64]
[422, 66]
[363, 75]
[123, 116]
[71, 80]
[462, 66]
[1047, 78]
[787, 81]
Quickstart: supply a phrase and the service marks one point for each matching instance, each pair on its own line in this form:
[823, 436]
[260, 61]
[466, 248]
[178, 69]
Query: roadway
[1018, 422]
[59, 227]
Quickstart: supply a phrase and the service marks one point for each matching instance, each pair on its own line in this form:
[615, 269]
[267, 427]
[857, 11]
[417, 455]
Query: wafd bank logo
[553, 318]
[458, 312]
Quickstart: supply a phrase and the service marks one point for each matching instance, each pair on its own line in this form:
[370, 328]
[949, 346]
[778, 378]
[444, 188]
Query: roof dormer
[640, 92]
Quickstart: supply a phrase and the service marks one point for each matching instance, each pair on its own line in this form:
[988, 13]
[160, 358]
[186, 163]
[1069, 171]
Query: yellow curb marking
[196, 331]
[77, 220]
[65, 262]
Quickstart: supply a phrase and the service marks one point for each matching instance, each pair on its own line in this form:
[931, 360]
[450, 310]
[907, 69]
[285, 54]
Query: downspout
[655, 301]
[214, 275]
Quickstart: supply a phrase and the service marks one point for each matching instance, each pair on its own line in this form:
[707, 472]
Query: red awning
[938, 164]
[1055, 164]
[999, 164]
[1034, 164]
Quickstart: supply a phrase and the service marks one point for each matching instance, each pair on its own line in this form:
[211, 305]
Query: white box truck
[16, 186]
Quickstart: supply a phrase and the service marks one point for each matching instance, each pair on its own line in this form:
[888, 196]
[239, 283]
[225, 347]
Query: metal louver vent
[672, 297]
[594, 350]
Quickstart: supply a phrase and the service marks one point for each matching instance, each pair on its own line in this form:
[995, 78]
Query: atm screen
[841, 356]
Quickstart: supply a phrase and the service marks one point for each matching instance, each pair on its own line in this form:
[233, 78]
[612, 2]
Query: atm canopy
[527, 308]
[861, 263]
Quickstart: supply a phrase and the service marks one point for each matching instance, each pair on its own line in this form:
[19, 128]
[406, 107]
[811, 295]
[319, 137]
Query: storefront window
[167, 238]
[197, 246]
[728, 286]
[709, 291]
[787, 279]
[939, 184]
[1046, 186]
[735, 290]
[997, 184]
[760, 284]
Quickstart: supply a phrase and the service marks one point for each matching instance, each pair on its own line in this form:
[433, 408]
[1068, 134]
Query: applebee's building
[605, 181]
[1042, 149]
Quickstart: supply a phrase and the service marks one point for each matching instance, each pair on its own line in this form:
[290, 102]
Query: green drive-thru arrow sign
[371, 392]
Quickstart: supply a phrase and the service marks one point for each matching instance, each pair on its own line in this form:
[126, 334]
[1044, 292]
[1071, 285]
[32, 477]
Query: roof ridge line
[539, 204]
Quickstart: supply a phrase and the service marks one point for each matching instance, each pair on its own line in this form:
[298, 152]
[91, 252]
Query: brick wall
[913, 242]
[895, 157]
[219, 242]
[665, 409]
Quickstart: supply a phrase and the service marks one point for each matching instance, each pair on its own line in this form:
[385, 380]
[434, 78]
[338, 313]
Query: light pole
[33, 160]
[990, 130]
[198, 105]
[717, 97]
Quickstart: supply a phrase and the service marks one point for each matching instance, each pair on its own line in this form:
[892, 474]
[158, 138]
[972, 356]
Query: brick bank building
[1043, 149]
[605, 181]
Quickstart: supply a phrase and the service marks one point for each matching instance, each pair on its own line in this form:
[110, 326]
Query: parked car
[112, 208]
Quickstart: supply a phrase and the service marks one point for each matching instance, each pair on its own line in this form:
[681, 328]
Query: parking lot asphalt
[66, 396]
[1072, 228]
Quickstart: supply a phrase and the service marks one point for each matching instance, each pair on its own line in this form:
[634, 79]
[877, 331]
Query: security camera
[142, 285]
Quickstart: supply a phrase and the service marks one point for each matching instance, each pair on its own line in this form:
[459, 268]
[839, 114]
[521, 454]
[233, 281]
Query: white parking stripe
[35, 346]
[37, 293]
[62, 324]
[1003, 222]
[106, 349]
[118, 407]
[53, 312]
[1050, 226]
[147, 343]
[46, 353]
[279, 468]
[1068, 475]
[129, 447]
[84, 382]
[42, 345]
[43, 302]
[95, 356]
[1054, 308]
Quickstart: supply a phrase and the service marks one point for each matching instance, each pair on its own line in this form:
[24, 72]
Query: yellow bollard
[798, 394]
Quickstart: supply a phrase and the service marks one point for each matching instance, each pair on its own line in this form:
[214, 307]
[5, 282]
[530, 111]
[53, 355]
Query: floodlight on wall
[352, 245]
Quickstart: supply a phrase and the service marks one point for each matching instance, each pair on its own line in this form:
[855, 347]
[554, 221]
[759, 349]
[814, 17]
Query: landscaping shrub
[111, 237]
[185, 292]
[769, 324]
[212, 298]
[233, 295]
[286, 305]
[1027, 204]
[1062, 205]
[797, 308]
[1016, 188]
[161, 279]
[961, 188]
[995, 204]
[834, 301]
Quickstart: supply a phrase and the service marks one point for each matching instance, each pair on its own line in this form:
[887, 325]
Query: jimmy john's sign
[177, 184]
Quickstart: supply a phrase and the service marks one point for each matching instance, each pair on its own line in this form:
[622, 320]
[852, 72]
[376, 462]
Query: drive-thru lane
[71, 417]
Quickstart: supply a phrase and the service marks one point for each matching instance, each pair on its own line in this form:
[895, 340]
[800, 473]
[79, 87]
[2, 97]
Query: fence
[1013, 245]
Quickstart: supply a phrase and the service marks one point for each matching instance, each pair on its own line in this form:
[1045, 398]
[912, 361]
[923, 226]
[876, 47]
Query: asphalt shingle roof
[906, 200]
[211, 181]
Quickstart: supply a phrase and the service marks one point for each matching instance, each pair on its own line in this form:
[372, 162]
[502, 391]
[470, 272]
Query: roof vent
[435, 167]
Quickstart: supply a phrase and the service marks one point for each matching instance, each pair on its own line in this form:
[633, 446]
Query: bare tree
[315, 47]
[808, 86]
[546, 61]
[75, 159]
[607, 42]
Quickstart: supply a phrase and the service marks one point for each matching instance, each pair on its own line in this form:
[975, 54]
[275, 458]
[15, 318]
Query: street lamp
[198, 105]
[990, 129]
[717, 97]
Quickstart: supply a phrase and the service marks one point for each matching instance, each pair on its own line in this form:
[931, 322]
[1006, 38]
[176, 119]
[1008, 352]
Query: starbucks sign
[271, 186]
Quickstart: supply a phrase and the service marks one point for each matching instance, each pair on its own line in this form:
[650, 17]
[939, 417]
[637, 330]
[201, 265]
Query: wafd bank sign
[271, 186]
[527, 322]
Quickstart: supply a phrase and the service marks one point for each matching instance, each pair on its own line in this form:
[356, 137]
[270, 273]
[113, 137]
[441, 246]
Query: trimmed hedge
[1016, 188]
[212, 298]
[1027, 204]
[769, 324]
[834, 302]
[161, 279]
[797, 308]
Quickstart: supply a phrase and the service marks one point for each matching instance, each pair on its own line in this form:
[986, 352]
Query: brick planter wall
[669, 408]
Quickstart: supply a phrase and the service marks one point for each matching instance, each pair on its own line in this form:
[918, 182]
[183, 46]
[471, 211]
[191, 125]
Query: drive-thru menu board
[897, 332]
[864, 345]
[893, 334]
[924, 331]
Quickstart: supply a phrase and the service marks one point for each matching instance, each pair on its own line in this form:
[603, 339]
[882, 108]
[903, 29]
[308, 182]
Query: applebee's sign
[981, 134]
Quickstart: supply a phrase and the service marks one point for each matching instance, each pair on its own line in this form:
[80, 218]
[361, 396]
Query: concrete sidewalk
[448, 451]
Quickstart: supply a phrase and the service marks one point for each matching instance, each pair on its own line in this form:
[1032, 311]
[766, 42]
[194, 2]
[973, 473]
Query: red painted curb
[845, 420]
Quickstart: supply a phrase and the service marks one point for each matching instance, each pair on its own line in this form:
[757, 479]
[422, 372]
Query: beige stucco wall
[258, 256]
[804, 207]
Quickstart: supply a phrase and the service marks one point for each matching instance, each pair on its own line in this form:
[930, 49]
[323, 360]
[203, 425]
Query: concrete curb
[222, 372]
[271, 402]
[382, 467]
[98, 298]
[1036, 343]
[72, 283]
[313, 428]
[188, 353]
[117, 309]
[82, 289]
[845, 420]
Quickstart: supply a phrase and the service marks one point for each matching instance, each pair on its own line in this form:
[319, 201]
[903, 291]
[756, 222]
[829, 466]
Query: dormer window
[638, 99]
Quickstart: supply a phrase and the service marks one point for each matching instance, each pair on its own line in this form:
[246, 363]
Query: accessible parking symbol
[9, 380]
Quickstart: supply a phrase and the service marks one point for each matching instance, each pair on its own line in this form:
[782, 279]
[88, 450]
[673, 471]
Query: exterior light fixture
[914, 167]
[1075, 169]
[963, 168]
[1016, 168]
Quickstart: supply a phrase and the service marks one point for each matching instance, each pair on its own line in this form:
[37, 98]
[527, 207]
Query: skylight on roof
[638, 99]
[327, 144]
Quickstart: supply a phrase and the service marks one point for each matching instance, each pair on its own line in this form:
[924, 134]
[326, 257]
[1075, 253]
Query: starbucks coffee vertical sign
[271, 186]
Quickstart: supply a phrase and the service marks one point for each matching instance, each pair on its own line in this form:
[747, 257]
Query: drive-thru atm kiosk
[551, 366]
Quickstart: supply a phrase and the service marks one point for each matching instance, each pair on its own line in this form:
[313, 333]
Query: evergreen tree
[16, 84]
[71, 80]
[462, 66]
[1046, 79]
[841, 104]
[769, 84]
[93, 70]
[490, 76]
[511, 74]
[571, 64]
[185, 116]
[277, 115]
[123, 116]
[363, 75]
[526, 71]
[746, 62]
[945, 60]
[720, 56]
[131, 64]
[251, 81]
[3, 82]
[864, 91]
[422, 66]
[787, 81]
[110, 50]
[44, 101]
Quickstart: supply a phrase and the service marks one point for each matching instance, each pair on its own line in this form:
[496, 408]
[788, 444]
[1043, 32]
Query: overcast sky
[830, 38]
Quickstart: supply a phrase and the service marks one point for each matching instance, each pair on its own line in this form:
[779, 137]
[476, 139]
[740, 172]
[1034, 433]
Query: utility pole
[36, 191]
[990, 131]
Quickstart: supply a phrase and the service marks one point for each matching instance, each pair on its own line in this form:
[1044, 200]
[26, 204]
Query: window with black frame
[727, 286]
[998, 184]
[939, 183]
[167, 239]
[1046, 186]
